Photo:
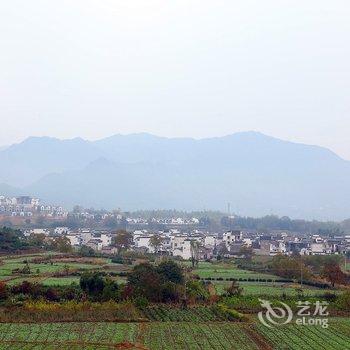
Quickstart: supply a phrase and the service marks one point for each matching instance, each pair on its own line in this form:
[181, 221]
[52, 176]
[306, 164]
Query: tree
[234, 289]
[334, 274]
[3, 291]
[26, 269]
[123, 240]
[145, 282]
[221, 250]
[172, 292]
[40, 220]
[11, 240]
[196, 291]
[169, 271]
[110, 290]
[194, 246]
[62, 244]
[290, 267]
[37, 240]
[246, 252]
[86, 251]
[156, 242]
[92, 283]
[343, 301]
[77, 209]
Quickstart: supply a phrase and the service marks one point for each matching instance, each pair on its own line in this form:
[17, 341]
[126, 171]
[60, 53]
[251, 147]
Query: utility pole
[301, 273]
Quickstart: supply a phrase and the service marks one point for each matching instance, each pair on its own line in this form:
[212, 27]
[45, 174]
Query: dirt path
[258, 339]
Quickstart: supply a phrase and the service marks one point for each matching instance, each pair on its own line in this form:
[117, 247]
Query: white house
[210, 241]
[106, 239]
[231, 237]
[144, 242]
[74, 239]
[95, 244]
[61, 230]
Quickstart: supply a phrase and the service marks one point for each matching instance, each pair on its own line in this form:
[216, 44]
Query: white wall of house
[144, 241]
[74, 240]
[209, 241]
[106, 240]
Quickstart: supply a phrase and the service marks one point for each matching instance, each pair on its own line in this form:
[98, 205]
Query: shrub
[3, 291]
[141, 302]
[229, 313]
[196, 291]
[343, 301]
[233, 290]
[170, 271]
[172, 292]
[92, 284]
[145, 281]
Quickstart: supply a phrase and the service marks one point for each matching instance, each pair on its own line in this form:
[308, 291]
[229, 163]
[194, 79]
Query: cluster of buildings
[168, 222]
[134, 221]
[26, 206]
[203, 245]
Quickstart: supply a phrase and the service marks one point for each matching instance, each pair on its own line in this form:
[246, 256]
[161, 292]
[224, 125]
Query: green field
[270, 289]
[45, 272]
[294, 337]
[166, 327]
[206, 269]
[175, 335]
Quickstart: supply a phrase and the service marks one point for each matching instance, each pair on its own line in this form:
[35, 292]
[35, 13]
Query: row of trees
[13, 240]
[306, 268]
[273, 222]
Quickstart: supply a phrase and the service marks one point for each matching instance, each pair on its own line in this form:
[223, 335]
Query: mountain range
[257, 174]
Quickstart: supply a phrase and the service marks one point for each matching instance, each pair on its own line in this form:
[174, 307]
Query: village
[204, 245]
[171, 236]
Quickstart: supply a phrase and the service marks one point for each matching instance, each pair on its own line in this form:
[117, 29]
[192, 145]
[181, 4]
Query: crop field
[166, 335]
[294, 337]
[197, 336]
[196, 314]
[270, 288]
[205, 270]
[175, 335]
[46, 272]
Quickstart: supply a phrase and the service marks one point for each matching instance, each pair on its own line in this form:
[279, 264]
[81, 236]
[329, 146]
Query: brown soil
[258, 339]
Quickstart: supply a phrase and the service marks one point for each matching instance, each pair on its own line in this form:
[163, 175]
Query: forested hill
[257, 174]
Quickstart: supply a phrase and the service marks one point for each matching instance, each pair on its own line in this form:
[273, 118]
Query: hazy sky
[176, 68]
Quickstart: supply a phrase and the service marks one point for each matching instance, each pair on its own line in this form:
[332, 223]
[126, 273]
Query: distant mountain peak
[257, 173]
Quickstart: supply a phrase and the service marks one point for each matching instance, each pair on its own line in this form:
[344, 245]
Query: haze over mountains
[256, 173]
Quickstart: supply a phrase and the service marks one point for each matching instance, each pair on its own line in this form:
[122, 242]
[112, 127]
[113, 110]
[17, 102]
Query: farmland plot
[174, 335]
[294, 337]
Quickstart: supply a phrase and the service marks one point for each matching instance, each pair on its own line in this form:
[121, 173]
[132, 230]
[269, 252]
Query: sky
[179, 68]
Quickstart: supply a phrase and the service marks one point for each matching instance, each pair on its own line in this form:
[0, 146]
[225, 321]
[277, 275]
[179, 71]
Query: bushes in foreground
[72, 311]
[162, 283]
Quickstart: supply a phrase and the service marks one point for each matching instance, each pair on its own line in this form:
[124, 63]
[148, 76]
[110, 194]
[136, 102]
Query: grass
[222, 270]
[60, 281]
[44, 272]
[270, 289]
